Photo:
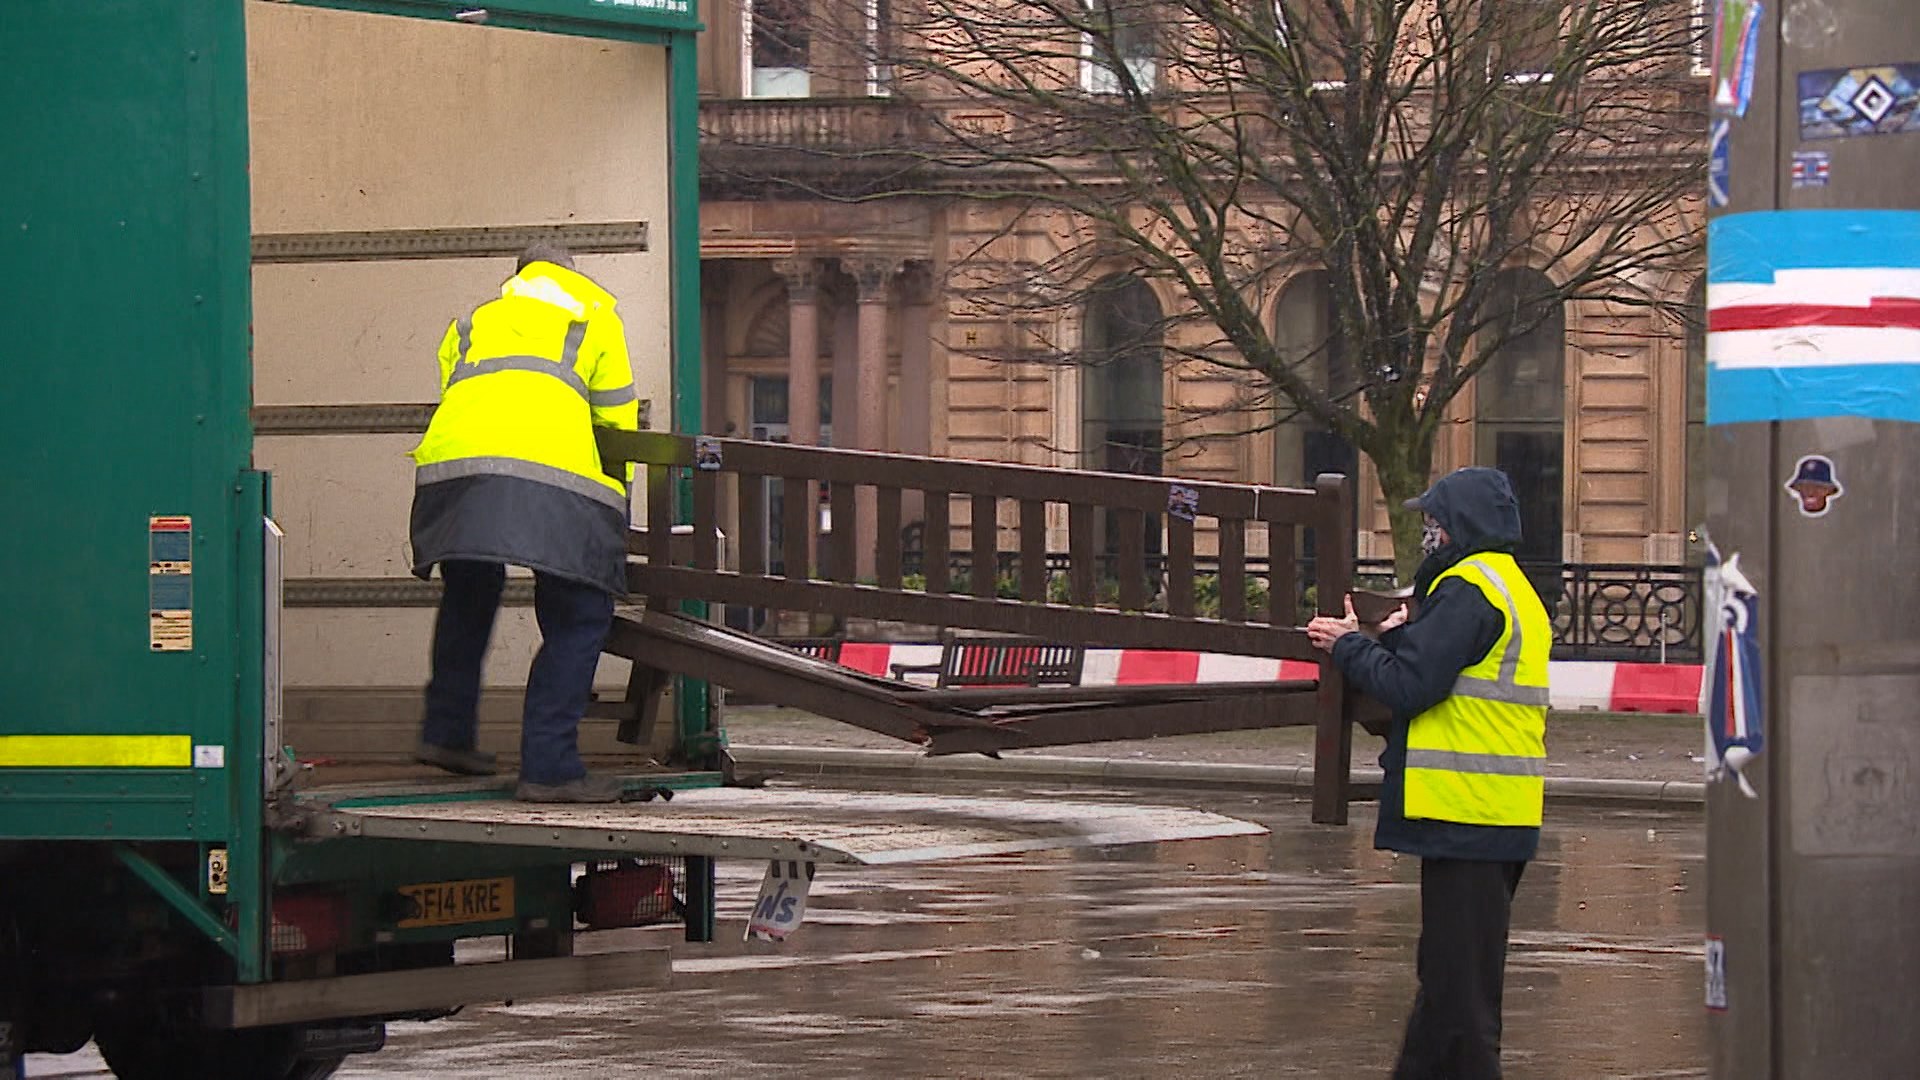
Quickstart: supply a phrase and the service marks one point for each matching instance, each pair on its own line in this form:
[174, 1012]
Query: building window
[879, 48]
[1696, 445]
[1304, 332]
[779, 36]
[1126, 41]
[1528, 41]
[1122, 397]
[1520, 421]
[1309, 29]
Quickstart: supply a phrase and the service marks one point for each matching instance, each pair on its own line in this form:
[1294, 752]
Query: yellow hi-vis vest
[525, 379]
[1479, 757]
[508, 470]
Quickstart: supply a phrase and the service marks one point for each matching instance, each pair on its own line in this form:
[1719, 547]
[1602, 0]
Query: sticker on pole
[1719, 163]
[783, 900]
[1736, 46]
[170, 583]
[1731, 692]
[1815, 484]
[1716, 973]
[1813, 314]
[1840, 103]
[1811, 168]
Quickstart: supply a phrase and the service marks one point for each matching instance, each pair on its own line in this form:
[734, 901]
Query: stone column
[803, 349]
[915, 411]
[874, 279]
[803, 375]
[916, 363]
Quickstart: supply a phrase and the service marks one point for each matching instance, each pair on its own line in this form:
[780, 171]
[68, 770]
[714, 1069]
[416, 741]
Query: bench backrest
[1105, 596]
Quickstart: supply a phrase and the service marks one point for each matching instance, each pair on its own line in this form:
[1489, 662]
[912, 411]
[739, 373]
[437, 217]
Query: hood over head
[1477, 508]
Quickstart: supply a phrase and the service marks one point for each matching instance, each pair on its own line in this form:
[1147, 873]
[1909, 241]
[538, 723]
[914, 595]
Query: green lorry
[232, 232]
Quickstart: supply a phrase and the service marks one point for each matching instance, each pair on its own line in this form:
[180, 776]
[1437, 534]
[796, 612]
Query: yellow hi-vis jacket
[508, 470]
[1479, 757]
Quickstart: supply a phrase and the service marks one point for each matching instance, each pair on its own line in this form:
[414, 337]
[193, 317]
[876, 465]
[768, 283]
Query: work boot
[587, 789]
[468, 762]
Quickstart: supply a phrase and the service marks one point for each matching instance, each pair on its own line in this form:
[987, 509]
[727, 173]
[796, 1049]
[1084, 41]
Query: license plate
[447, 903]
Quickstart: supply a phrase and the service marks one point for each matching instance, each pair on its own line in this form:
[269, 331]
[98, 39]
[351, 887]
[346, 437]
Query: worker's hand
[1397, 617]
[1324, 630]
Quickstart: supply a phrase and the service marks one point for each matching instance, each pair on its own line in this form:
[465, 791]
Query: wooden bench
[989, 697]
[1000, 661]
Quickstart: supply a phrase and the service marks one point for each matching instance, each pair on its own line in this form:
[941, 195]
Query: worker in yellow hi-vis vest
[1465, 760]
[509, 475]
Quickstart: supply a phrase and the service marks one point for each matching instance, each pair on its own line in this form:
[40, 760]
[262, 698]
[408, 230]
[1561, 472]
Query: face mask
[1431, 538]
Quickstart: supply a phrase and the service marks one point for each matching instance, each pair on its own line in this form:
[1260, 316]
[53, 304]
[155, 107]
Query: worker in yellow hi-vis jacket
[1465, 762]
[509, 474]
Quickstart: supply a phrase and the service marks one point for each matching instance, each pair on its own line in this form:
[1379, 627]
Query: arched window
[1696, 444]
[1520, 426]
[1304, 331]
[1122, 398]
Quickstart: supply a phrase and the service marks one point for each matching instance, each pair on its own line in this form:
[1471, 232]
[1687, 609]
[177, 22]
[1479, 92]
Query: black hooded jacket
[1413, 667]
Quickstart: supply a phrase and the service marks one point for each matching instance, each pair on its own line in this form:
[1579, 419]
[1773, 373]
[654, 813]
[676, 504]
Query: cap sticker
[1815, 485]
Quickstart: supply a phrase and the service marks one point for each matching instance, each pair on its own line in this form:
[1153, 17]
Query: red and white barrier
[1575, 685]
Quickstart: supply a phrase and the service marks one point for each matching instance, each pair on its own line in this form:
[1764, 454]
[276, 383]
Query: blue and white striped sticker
[1813, 313]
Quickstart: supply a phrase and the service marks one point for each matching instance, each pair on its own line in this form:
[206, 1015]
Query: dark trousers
[574, 620]
[1454, 1032]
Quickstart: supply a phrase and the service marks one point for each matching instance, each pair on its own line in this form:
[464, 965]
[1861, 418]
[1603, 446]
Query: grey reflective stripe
[1510, 661]
[570, 348]
[1492, 690]
[1496, 764]
[603, 398]
[535, 364]
[526, 470]
[465, 330]
[1507, 688]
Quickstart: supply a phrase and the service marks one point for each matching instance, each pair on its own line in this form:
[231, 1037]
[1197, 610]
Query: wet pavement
[1289, 955]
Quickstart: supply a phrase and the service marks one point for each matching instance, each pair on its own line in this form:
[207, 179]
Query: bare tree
[1411, 149]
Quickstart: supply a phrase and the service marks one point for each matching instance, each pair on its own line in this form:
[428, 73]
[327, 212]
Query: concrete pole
[1813, 899]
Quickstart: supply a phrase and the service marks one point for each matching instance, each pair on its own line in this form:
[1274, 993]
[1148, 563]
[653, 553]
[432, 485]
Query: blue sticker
[1813, 313]
[1811, 168]
[1719, 164]
[1183, 502]
[1842, 102]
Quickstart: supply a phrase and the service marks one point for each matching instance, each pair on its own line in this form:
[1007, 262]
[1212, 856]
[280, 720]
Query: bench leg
[1332, 748]
[646, 688]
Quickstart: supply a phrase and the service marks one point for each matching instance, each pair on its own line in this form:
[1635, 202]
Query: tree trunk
[1403, 474]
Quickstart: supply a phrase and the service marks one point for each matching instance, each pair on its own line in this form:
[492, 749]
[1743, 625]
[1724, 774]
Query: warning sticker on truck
[170, 583]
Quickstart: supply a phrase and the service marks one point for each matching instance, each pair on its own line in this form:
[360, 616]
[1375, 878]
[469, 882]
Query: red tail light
[624, 894]
[307, 922]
